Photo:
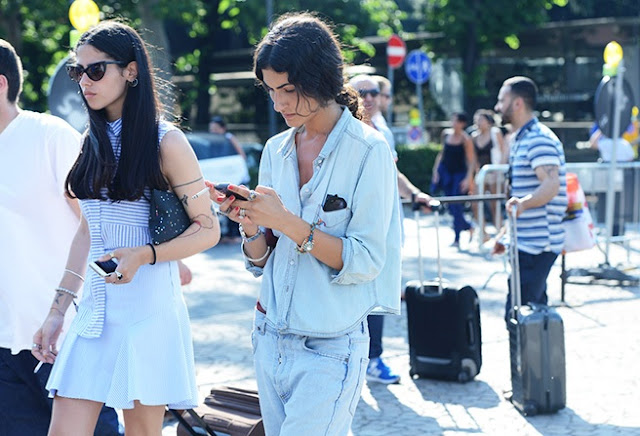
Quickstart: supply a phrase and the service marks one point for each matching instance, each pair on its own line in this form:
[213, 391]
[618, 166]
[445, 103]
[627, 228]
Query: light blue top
[303, 295]
[539, 229]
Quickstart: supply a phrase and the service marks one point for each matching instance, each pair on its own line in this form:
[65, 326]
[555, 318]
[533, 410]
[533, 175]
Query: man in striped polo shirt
[538, 188]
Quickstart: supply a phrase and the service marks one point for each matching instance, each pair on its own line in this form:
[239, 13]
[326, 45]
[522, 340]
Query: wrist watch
[246, 238]
[306, 246]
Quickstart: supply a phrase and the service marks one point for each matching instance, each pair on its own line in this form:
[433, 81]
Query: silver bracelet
[67, 291]
[264, 256]
[251, 238]
[74, 274]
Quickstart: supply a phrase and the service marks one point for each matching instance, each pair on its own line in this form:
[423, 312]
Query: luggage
[230, 411]
[536, 343]
[443, 323]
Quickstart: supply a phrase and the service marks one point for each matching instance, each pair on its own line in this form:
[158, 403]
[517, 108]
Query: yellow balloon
[83, 14]
[613, 54]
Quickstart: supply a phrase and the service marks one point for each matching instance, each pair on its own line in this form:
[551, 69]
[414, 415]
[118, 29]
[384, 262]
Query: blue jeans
[25, 406]
[308, 386]
[534, 270]
[450, 184]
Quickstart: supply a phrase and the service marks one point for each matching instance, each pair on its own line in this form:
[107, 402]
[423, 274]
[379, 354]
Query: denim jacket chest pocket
[336, 221]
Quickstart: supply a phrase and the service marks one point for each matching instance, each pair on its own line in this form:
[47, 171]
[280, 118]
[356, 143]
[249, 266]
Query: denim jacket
[303, 295]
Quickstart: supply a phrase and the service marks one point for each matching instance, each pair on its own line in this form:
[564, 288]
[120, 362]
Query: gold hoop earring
[133, 83]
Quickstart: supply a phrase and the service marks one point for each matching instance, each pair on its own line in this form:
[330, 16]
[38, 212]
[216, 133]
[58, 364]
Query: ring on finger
[252, 195]
[242, 213]
[118, 275]
[223, 212]
[112, 254]
[35, 346]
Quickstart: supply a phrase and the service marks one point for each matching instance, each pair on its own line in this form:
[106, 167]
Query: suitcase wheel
[463, 376]
[530, 408]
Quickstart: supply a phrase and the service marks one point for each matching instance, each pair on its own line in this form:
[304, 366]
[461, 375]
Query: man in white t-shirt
[37, 224]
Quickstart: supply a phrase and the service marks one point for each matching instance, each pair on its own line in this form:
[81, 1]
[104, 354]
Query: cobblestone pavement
[602, 340]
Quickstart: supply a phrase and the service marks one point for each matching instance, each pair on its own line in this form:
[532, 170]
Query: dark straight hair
[525, 88]
[11, 68]
[303, 46]
[139, 164]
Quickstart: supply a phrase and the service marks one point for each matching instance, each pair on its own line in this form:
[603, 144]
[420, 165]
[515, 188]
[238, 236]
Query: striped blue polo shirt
[539, 229]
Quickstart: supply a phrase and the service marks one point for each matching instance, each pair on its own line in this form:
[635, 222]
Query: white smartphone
[104, 268]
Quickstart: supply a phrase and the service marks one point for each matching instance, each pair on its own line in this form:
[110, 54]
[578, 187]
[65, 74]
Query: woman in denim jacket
[323, 231]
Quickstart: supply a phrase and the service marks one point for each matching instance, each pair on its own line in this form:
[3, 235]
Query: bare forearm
[544, 194]
[326, 248]
[405, 187]
[201, 235]
[75, 271]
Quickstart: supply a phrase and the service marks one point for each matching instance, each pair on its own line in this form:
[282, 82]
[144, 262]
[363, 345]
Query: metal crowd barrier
[594, 179]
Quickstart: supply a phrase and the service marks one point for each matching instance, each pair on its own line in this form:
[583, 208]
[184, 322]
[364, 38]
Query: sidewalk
[602, 340]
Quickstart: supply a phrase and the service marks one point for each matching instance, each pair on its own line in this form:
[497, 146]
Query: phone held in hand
[224, 188]
[104, 268]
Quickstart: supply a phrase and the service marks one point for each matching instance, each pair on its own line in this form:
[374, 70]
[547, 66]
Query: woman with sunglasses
[130, 344]
[323, 231]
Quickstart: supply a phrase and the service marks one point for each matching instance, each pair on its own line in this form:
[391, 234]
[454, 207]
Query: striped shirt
[112, 225]
[539, 229]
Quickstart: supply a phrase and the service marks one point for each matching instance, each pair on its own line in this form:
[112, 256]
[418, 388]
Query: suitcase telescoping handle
[434, 205]
[516, 297]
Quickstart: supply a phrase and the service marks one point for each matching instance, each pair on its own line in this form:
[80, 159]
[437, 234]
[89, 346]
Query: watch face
[308, 246]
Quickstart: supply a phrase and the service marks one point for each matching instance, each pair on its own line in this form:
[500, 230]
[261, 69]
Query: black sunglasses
[372, 92]
[94, 71]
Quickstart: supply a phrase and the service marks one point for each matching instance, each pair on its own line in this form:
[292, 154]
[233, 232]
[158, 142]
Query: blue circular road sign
[418, 67]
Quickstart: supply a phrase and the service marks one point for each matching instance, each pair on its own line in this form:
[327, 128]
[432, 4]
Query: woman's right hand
[46, 338]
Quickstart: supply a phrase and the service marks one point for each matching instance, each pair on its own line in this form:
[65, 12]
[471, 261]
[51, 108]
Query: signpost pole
[617, 106]
[391, 92]
[420, 104]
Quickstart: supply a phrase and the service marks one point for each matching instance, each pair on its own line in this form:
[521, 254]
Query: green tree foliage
[353, 20]
[40, 33]
[471, 27]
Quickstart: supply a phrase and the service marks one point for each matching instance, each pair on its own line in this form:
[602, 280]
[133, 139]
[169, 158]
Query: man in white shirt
[37, 224]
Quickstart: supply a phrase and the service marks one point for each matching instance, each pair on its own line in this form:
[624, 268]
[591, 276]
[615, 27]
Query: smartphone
[224, 188]
[104, 268]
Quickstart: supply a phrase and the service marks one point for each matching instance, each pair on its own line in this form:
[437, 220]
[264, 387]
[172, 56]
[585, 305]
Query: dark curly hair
[303, 46]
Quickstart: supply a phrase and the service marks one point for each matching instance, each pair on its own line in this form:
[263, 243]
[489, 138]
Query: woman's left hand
[467, 185]
[264, 207]
[129, 260]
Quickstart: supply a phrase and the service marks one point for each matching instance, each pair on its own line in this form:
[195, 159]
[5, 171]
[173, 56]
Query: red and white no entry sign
[396, 51]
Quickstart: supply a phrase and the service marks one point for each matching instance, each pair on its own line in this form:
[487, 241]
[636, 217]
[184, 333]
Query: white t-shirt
[37, 224]
[624, 151]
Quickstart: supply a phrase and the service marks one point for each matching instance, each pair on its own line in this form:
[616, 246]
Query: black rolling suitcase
[443, 323]
[536, 343]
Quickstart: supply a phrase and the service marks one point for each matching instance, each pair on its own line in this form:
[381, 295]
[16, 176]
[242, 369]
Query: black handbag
[167, 217]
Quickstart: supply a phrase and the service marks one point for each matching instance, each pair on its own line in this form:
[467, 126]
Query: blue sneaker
[378, 372]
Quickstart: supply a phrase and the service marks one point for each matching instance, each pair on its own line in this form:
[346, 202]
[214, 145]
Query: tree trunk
[10, 23]
[155, 35]
[207, 48]
[470, 61]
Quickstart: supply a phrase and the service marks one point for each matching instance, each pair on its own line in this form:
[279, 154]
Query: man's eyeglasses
[372, 92]
[94, 71]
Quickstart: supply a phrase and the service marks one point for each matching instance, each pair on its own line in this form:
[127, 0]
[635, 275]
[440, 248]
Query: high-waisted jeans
[307, 385]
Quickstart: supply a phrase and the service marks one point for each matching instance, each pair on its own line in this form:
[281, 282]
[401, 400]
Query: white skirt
[145, 352]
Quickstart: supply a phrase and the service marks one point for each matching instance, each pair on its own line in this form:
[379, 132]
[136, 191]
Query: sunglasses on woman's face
[94, 71]
[372, 92]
